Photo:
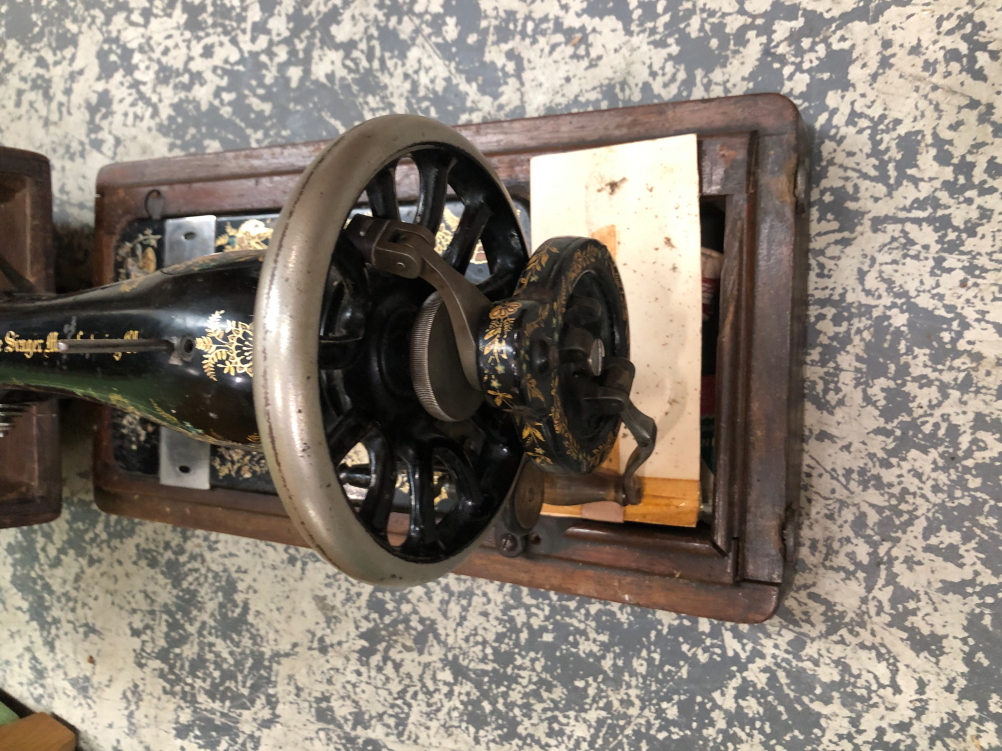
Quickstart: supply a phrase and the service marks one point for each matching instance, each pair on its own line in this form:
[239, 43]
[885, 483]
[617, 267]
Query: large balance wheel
[331, 360]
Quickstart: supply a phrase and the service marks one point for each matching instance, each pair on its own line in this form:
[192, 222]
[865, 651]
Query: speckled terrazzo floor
[891, 636]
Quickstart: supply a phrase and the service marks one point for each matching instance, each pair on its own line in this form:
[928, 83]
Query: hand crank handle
[645, 433]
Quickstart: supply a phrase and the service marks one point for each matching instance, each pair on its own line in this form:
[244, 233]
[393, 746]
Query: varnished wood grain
[30, 481]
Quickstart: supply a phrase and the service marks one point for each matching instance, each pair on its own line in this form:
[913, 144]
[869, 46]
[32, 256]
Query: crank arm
[645, 433]
[408, 250]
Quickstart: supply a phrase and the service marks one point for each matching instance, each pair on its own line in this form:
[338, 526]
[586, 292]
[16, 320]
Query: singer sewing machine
[336, 380]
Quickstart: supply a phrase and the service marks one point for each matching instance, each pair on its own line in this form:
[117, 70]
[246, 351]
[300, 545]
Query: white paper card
[643, 198]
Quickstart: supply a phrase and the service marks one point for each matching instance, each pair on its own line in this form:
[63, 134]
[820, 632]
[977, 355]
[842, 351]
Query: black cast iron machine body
[353, 353]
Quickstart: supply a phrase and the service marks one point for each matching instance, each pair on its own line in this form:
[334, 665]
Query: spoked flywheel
[337, 317]
[397, 393]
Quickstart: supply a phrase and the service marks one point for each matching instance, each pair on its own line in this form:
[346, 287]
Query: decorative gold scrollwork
[138, 258]
[252, 234]
[228, 345]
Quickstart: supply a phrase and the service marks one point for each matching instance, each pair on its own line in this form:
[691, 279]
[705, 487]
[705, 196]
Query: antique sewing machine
[415, 406]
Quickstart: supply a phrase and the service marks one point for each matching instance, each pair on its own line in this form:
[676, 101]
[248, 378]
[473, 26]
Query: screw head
[508, 542]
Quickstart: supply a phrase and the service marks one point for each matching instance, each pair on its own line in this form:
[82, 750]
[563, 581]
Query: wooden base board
[667, 503]
[754, 168]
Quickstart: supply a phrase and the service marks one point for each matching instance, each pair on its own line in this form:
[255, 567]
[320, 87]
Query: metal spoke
[422, 537]
[464, 241]
[338, 352]
[433, 168]
[506, 257]
[346, 301]
[469, 507]
[501, 283]
[348, 269]
[378, 502]
[344, 433]
[382, 193]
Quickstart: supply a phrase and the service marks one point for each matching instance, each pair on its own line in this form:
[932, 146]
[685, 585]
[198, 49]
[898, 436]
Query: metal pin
[112, 346]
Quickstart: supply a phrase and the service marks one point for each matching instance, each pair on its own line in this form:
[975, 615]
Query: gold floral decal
[585, 258]
[228, 345]
[532, 388]
[599, 453]
[134, 428]
[448, 227]
[138, 258]
[538, 321]
[502, 320]
[252, 234]
[500, 398]
[535, 265]
[532, 439]
[560, 424]
[239, 463]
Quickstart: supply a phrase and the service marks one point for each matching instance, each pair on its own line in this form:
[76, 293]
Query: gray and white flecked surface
[891, 636]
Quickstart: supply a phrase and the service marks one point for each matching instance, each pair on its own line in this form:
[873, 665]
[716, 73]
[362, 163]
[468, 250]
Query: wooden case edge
[30, 471]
